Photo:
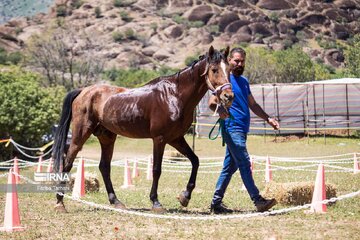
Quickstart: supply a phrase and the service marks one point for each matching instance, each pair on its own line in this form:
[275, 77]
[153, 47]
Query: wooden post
[263, 98]
[347, 110]
[324, 120]
[314, 98]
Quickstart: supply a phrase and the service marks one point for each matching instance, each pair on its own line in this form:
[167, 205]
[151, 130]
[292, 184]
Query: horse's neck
[192, 85]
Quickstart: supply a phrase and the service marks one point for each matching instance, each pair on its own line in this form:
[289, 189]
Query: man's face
[237, 64]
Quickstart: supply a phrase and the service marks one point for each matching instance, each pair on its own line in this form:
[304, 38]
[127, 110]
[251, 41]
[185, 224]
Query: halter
[219, 89]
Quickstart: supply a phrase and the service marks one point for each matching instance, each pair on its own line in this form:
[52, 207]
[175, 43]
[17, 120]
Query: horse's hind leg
[183, 147]
[79, 136]
[107, 141]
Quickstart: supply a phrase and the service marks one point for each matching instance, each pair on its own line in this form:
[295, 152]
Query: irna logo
[51, 177]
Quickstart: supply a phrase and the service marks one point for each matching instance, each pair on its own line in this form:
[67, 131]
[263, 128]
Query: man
[235, 129]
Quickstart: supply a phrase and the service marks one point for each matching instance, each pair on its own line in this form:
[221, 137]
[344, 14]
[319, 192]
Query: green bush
[3, 56]
[18, 30]
[118, 36]
[130, 34]
[97, 12]
[136, 77]
[190, 59]
[123, 3]
[118, 3]
[125, 16]
[11, 58]
[293, 65]
[352, 57]
[14, 57]
[153, 26]
[178, 19]
[260, 65]
[321, 72]
[77, 3]
[274, 17]
[195, 24]
[61, 11]
[27, 110]
[214, 29]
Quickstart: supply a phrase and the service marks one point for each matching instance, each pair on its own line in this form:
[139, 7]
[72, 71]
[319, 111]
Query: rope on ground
[211, 217]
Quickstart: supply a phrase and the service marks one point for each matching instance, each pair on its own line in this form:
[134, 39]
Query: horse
[162, 110]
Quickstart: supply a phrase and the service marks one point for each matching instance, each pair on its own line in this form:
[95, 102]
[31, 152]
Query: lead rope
[221, 128]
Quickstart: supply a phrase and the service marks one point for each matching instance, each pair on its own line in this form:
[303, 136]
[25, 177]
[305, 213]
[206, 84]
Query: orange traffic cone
[127, 176]
[12, 215]
[135, 172]
[79, 184]
[268, 174]
[149, 173]
[39, 166]
[319, 192]
[50, 166]
[356, 165]
[16, 170]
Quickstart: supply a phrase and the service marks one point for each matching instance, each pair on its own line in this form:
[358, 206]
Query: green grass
[84, 222]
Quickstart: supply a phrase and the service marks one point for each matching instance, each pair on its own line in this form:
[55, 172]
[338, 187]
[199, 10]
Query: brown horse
[161, 110]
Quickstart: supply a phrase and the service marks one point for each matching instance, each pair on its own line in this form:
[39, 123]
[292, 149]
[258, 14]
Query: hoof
[60, 208]
[184, 201]
[120, 205]
[158, 208]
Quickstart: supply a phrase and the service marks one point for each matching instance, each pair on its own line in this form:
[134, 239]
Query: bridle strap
[216, 91]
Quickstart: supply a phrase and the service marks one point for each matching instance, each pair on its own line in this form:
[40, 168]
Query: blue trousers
[236, 157]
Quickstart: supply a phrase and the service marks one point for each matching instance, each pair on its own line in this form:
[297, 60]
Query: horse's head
[217, 74]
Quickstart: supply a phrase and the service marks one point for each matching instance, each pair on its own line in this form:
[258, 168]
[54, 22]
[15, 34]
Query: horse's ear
[226, 52]
[211, 50]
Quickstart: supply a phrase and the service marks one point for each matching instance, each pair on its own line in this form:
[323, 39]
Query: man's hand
[223, 112]
[273, 123]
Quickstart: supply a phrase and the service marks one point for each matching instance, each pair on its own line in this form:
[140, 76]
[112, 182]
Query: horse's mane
[217, 56]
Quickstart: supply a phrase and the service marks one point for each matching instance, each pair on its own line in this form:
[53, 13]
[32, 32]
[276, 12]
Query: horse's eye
[214, 70]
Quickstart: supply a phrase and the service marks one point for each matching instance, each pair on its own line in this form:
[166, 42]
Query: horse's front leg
[183, 147]
[158, 152]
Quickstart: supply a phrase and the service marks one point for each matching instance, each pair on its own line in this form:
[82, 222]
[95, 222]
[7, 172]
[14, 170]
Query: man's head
[237, 61]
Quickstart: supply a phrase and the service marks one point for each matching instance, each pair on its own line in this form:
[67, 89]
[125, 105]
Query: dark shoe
[263, 204]
[220, 209]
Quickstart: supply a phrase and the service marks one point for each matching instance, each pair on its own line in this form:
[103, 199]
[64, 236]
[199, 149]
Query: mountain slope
[150, 33]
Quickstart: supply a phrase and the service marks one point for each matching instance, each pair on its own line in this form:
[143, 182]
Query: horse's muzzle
[226, 97]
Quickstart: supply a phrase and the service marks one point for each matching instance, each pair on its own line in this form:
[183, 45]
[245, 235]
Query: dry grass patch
[295, 193]
[92, 183]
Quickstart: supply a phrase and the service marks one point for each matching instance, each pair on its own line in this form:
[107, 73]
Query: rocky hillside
[150, 33]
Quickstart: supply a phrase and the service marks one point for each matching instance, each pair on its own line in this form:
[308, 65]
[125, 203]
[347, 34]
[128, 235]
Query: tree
[64, 59]
[293, 65]
[27, 110]
[260, 66]
[352, 57]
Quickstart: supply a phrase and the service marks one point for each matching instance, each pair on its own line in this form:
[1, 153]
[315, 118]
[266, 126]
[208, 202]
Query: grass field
[84, 222]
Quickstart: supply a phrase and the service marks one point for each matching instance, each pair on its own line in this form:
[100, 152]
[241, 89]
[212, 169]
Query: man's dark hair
[237, 50]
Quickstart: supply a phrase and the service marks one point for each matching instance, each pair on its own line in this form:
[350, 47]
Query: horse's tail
[62, 131]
